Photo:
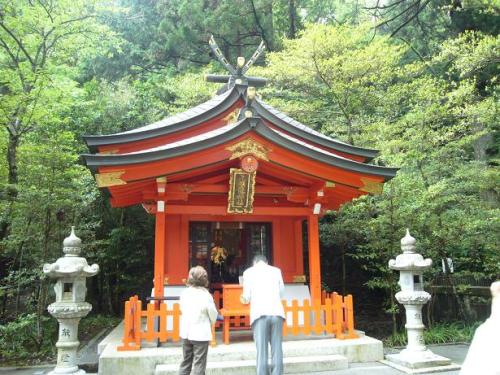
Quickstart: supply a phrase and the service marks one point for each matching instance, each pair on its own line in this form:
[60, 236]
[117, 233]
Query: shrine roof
[187, 115]
[228, 133]
[295, 127]
[216, 106]
[193, 116]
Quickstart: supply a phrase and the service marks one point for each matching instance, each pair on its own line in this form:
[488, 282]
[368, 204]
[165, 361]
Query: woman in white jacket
[198, 315]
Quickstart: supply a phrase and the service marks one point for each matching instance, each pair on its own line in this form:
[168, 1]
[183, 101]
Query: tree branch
[257, 21]
[411, 18]
[416, 3]
[378, 7]
[18, 42]
[46, 10]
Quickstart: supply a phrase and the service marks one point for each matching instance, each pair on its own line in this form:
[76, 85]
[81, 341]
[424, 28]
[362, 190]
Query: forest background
[417, 79]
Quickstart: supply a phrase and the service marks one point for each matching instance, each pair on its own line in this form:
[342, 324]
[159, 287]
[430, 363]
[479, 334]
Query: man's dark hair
[259, 258]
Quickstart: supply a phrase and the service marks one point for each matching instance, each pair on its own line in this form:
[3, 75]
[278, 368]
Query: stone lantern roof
[410, 260]
[71, 264]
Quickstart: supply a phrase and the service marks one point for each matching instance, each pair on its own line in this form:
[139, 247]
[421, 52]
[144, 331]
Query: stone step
[292, 365]
[246, 351]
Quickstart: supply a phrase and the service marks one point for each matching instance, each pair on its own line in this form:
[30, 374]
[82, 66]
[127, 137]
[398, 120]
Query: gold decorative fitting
[109, 179]
[289, 190]
[248, 114]
[161, 180]
[232, 117]
[251, 93]
[240, 61]
[371, 186]
[109, 152]
[299, 279]
[187, 188]
[248, 146]
[241, 191]
[329, 184]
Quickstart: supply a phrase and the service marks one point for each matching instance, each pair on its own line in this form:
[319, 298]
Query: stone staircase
[239, 359]
[292, 365]
[302, 355]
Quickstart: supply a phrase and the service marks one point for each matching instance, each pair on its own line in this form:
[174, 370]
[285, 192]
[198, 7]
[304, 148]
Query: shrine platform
[302, 354]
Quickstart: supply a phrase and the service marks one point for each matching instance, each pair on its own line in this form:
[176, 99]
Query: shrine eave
[296, 128]
[185, 120]
[227, 134]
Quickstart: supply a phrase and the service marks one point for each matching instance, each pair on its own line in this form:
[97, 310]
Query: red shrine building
[237, 174]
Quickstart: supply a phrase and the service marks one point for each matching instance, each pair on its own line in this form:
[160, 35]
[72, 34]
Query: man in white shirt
[263, 288]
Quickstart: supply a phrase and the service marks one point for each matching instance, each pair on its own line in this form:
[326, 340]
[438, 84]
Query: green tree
[437, 120]
[40, 45]
[344, 71]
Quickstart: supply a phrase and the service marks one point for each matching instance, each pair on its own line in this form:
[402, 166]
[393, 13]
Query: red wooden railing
[332, 315]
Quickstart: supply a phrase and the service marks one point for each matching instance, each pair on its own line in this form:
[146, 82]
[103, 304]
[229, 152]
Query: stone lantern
[412, 296]
[71, 272]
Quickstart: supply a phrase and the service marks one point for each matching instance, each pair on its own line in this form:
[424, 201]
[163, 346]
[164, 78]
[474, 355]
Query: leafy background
[416, 79]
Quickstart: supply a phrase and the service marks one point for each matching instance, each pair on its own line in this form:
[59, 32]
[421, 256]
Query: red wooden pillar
[299, 247]
[314, 261]
[159, 267]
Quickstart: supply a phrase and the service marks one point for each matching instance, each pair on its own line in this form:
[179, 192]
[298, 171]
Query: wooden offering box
[233, 310]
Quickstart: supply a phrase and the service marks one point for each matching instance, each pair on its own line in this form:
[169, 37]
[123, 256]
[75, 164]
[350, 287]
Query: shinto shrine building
[237, 174]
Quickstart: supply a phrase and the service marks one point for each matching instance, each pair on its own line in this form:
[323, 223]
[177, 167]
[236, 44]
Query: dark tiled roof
[228, 133]
[181, 121]
[183, 116]
[295, 127]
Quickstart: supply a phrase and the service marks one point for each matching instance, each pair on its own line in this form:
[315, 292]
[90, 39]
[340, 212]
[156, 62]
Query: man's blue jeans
[269, 330]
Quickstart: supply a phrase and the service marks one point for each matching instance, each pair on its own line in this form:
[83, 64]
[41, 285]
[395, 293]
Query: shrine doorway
[241, 242]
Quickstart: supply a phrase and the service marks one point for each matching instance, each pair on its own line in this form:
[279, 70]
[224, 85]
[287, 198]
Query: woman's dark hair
[197, 277]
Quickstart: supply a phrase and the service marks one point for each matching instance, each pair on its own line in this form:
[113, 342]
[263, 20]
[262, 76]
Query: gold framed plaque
[241, 191]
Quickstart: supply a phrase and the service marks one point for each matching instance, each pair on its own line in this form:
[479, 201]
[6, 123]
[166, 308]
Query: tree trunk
[21, 253]
[11, 190]
[12, 161]
[393, 314]
[292, 16]
[109, 301]
[42, 295]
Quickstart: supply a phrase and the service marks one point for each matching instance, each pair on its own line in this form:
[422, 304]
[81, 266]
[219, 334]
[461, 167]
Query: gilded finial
[240, 62]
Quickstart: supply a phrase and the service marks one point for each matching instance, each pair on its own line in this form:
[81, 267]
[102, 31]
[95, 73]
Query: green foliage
[345, 69]
[437, 120]
[19, 344]
[444, 333]
[427, 97]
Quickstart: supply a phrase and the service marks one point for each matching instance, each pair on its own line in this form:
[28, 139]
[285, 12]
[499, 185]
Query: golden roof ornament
[246, 147]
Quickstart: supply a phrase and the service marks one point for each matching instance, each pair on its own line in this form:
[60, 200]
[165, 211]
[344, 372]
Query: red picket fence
[332, 315]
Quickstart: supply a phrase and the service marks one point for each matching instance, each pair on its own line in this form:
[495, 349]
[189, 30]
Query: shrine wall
[287, 247]
[177, 251]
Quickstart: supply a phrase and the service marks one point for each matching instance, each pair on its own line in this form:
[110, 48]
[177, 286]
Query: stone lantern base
[71, 372]
[418, 362]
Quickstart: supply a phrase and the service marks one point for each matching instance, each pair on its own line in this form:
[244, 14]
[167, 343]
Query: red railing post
[132, 325]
